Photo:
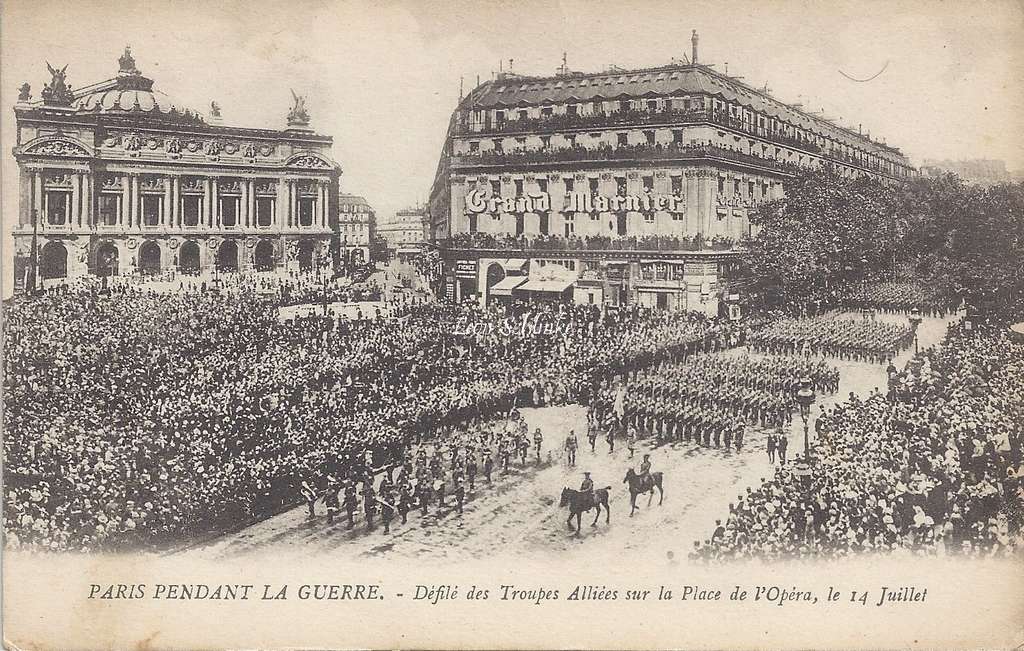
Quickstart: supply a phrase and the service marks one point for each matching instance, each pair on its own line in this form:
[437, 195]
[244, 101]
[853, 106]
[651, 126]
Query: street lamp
[915, 320]
[805, 397]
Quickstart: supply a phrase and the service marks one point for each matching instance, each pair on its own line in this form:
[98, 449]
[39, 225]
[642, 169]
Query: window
[649, 135]
[649, 217]
[499, 118]
[593, 186]
[571, 109]
[495, 188]
[652, 105]
[307, 205]
[677, 136]
[110, 208]
[648, 184]
[721, 185]
[546, 112]
[474, 146]
[570, 224]
[523, 114]
[57, 206]
[623, 138]
[190, 208]
[151, 209]
[735, 186]
[542, 185]
[750, 189]
[264, 211]
[677, 185]
[545, 142]
[229, 212]
[620, 186]
[472, 223]
[520, 143]
[571, 139]
[686, 104]
[497, 145]
[624, 105]
[569, 183]
[598, 107]
[519, 187]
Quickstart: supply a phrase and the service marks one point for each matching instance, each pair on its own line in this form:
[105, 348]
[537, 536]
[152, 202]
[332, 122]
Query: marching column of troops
[868, 341]
[712, 399]
[427, 474]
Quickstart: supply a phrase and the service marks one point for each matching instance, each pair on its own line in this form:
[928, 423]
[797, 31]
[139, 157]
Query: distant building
[406, 231]
[978, 170]
[118, 178]
[639, 182]
[356, 228]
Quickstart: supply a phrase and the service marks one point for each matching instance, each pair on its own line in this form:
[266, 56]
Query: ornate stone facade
[116, 178]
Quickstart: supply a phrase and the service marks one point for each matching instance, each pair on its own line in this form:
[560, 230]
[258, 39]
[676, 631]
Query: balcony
[634, 119]
[523, 243]
[605, 153]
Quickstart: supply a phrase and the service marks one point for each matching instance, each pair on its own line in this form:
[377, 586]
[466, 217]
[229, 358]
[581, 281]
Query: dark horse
[638, 486]
[578, 502]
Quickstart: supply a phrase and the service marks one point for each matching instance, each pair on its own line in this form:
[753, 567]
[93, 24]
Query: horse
[638, 486]
[578, 502]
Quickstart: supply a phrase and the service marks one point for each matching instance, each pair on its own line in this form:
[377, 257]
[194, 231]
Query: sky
[383, 77]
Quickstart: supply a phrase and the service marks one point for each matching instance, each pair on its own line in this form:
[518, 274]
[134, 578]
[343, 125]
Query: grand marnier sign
[478, 202]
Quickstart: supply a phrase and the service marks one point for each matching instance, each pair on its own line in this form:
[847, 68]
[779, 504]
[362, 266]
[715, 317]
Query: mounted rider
[645, 470]
[587, 488]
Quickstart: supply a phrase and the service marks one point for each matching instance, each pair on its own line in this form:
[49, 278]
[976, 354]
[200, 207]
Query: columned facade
[115, 186]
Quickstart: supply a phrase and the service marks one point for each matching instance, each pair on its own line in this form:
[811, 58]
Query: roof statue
[298, 116]
[214, 110]
[25, 92]
[127, 62]
[57, 92]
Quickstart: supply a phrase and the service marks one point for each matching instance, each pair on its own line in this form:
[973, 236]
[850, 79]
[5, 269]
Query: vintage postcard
[512, 325]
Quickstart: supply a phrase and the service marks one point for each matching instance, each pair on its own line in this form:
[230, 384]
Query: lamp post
[915, 320]
[805, 397]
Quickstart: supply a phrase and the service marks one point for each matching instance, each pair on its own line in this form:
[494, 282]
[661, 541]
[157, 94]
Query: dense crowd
[871, 341]
[933, 468]
[505, 241]
[139, 418]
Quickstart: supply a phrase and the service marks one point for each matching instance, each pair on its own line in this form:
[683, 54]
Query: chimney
[693, 39]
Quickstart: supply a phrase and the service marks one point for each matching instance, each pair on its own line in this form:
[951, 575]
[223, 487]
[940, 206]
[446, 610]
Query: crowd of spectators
[136, 418]
[935, 467]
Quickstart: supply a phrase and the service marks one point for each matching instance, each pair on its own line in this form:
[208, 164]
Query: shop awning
[506, 285]
[556, 285]
[515, 264]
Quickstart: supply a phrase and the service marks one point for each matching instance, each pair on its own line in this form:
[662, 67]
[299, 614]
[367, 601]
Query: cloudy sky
[383, 77]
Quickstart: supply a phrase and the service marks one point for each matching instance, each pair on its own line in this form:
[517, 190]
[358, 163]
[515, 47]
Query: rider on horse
[645, 470]
[587, 487]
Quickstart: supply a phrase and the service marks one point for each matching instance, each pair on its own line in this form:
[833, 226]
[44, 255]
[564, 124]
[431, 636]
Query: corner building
[118, 178]
[638, 183]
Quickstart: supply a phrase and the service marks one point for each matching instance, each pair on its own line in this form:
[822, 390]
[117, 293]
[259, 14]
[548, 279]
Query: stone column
[215, 204]
[126, 204]
[37, 201]
[76, 196]
[136, 220]
[88, 199]
[281, 205]
[206, 212]
[165, 214]
[243, 205]
[293, 211]
[175, 218]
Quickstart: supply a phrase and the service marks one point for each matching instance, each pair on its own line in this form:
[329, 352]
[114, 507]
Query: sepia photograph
[512, 324]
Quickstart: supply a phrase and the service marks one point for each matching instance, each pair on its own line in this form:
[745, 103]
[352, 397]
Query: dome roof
[129, 92]
[118, 99]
